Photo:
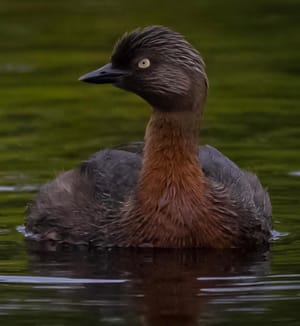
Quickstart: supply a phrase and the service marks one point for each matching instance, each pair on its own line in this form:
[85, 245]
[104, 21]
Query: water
[49, 122]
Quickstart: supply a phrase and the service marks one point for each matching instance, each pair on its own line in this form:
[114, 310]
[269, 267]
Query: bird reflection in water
[160, 287]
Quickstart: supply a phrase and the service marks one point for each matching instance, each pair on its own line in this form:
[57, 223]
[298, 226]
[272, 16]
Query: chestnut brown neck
[171, 138]
[171, 165]
[172, 204]
[170, 154]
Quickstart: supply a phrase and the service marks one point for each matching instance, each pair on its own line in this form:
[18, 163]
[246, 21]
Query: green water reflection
[49, 122]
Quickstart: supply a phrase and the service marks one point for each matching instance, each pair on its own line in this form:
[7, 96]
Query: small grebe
[169, 194]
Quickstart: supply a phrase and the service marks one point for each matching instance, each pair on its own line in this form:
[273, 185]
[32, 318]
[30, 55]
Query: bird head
[159, 65]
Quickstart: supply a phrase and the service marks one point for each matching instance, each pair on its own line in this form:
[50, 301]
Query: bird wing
[243, 186]
[121, 168]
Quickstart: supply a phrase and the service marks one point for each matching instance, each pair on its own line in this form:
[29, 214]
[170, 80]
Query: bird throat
[171, 163]
[171, 189]
[172, 205]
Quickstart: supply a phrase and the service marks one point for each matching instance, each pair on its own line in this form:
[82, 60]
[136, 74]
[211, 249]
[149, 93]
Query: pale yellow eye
[144, 63]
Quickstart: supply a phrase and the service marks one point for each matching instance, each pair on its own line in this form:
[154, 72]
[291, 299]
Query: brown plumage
[169, 194]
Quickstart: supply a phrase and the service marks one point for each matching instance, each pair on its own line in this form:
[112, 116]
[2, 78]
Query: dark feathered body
[85, 206]
[170, 193]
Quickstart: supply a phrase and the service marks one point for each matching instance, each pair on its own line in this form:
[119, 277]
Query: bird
[164, 192]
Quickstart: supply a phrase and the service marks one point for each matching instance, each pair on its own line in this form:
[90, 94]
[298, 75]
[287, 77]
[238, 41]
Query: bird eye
[144, 63]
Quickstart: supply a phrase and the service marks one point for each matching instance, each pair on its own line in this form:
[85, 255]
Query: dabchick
[166, 192]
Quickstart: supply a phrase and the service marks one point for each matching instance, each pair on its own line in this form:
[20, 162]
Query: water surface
[49, 122]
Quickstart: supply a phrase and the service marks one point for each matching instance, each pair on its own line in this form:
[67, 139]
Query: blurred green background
[49, 121]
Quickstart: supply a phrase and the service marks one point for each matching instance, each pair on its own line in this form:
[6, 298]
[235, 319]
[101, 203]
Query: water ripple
[19, 188]
[295, 173]
[56, 280]
[250, 288]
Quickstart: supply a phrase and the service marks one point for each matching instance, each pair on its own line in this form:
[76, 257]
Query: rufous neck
[171, 165]
[172, 135]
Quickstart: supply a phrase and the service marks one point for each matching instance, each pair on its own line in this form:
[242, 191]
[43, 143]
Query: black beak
[104, 75]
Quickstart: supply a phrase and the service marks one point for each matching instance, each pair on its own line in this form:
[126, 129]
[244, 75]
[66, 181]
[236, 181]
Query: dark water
[49, 122]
